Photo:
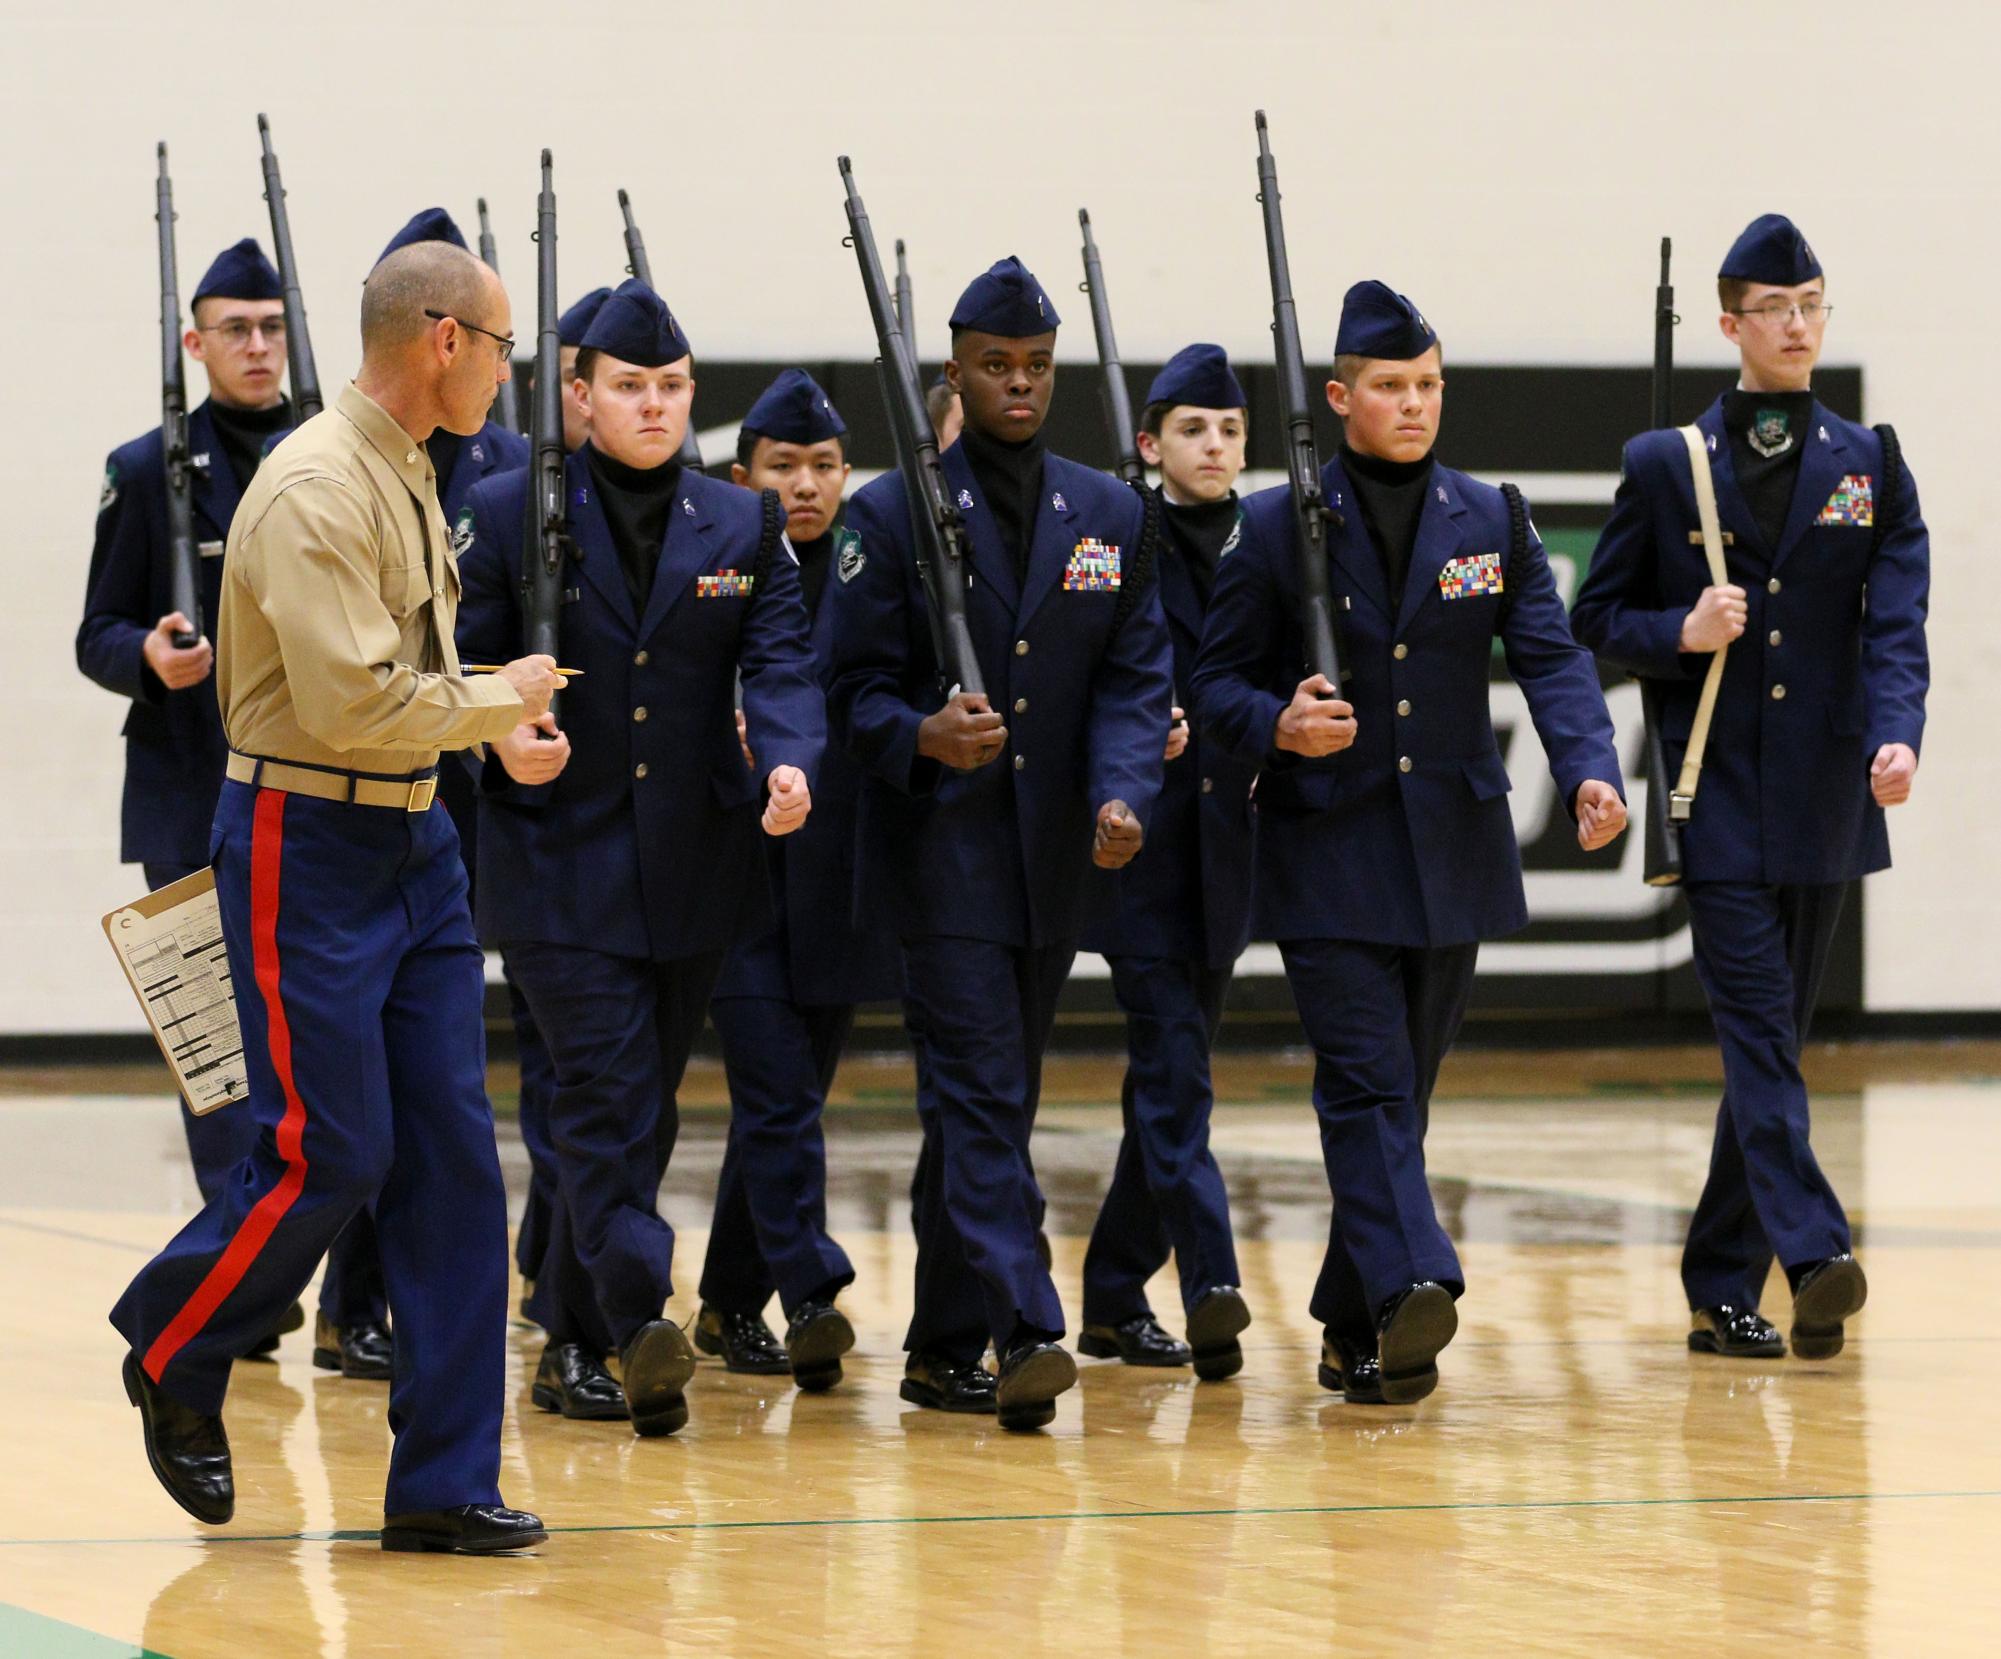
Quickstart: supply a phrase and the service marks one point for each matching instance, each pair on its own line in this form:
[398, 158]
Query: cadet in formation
[1816, 730]
[1385, 848]
[619, 854]
[1177, 919]
[785, 1001]
[978, 827]
[343, 900]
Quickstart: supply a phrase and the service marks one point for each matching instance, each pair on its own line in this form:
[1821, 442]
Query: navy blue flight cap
[240, 273]
[1005, 299]
[635, 326]
[432, 224]
[1376, 321]
[794, 410]
[1200, 376]
[571, 325]
[1771, 250]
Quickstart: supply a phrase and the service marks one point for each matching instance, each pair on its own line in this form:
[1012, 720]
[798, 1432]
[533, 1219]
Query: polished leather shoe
[189, 1451]
[470, 1529]
[1735, 1333]
[1031, 1375]
[266, 1345]
[1138, 1341]
[657, 1364]
[941, 1384]
[1350, 1368]
[818, 1335]
[573, 1380]
[1217, 1319]
[1414, 1326]
[1824, 1295]
[364, 1351]
[743, 1340]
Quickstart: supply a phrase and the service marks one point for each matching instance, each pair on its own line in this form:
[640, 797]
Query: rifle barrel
[306, 397]
[1114, 396]
[507, 402]
[183, 556]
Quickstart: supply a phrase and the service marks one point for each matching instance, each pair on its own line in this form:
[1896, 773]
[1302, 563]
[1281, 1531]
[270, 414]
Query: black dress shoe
[657, 1364]
[815, 1340]
[743, 1340]
[1414, 1326]
[1217, 1319]
[1824, 1295]
[188, 1451]
[573, 1380]
[1735, 1333]
[470, 1529]
[1349, 1367]
[941, 1384]
[364, 1351]
[1032, 1374]
[1138, 1341]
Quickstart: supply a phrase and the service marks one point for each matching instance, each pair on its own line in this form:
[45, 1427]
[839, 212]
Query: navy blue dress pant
[1760, 953]
[1166, 1192]
[358, 985]
[619, 1031]
[538, 1084]
[1380, 1019]
[982, 1013]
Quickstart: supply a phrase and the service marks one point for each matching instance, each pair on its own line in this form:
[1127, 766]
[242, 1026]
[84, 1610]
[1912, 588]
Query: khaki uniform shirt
[339, 595]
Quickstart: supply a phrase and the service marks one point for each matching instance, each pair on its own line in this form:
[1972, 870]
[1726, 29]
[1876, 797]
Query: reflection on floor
[1579, 1484]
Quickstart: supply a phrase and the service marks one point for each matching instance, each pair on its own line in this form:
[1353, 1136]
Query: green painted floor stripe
[25, 1635]
[823, 1522]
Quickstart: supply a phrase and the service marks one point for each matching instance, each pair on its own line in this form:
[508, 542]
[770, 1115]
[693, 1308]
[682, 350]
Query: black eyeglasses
[504, 341]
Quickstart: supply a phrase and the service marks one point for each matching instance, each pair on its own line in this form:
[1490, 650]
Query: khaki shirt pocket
[405, 587]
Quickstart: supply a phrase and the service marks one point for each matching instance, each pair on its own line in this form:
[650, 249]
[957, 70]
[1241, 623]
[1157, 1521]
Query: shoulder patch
[848, 556]
[107, 498]
[462, 533]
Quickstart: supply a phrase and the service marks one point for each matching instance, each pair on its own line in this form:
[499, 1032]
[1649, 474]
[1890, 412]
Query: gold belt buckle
[422, 793]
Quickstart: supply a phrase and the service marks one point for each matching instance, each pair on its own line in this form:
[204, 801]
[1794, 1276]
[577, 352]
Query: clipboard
[170, 946]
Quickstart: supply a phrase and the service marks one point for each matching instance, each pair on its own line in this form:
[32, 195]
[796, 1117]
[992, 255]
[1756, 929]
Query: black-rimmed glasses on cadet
[1811, 312]
[236, 331]
[504, 341]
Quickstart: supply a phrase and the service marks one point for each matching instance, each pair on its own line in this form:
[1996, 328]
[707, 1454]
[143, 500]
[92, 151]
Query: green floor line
[31, 1636]
[1525, 1505]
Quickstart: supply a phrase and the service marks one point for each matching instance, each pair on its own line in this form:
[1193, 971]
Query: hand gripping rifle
[183, 556]
[507, 402]
[638, 265]
[306, 399]
[545, 545]
[1309, 506]
[1663, 847]
[1113, 394]
[940, 532]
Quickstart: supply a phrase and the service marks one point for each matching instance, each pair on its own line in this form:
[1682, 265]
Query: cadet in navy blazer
[981, 863]
[1179, 917]
[1817, 727]
[614, 886]
[1384, 858]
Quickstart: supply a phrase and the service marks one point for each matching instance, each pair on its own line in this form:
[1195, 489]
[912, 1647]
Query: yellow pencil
[496, 667]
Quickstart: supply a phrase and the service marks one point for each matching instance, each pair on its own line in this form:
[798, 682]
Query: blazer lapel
[988, 557]
[684, 550]
[1438, 537]
[1348, 546]
[596, 555]
[1051, 544]
[211, 486]
[1732, 514]
[1820, 471]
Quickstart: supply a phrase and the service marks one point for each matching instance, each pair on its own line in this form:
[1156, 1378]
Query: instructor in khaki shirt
[358, 980]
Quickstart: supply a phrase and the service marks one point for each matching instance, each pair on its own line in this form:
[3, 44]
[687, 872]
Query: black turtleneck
[815, 559]
[443, 447]
[1391, 496]
[1198, 533]
[636, 501]
[1766, 481]
[1010, 477]
[243, 433]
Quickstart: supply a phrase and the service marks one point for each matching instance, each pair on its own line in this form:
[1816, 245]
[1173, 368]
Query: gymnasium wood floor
[1579, 1484]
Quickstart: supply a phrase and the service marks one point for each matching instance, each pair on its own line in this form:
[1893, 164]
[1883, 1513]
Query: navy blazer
[174, 746]
[648, 844]
[1188, 896]
[1000, 853]
[1403, 838]
[823, 952]
[1830, 667]
[490, 450]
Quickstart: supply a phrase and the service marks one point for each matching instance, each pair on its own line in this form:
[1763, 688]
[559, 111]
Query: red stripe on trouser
[267, 844]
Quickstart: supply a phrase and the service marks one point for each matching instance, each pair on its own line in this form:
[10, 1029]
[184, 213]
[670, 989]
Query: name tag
[1467, 578]
[210, 549]
[1093, 568]
[1853, 503]
[726, 584]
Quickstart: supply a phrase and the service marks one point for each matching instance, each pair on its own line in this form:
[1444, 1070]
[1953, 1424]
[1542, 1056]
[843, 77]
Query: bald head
[432, 276]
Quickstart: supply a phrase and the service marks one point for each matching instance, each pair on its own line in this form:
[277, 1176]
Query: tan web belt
[410, 794]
